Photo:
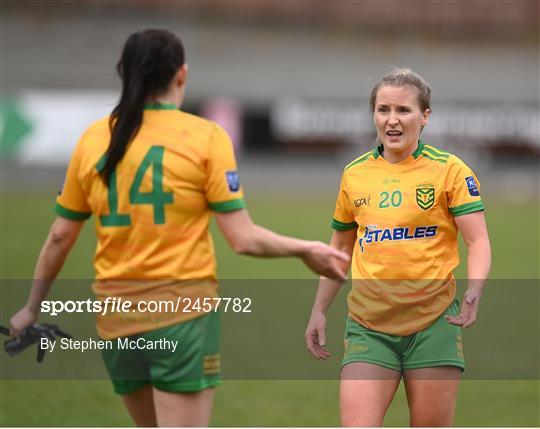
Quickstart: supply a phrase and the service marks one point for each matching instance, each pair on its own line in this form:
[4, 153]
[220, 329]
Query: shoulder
[361, 161]
[197, 122]
[100, 125]
[451, 167]
[97, 130]
[205, 129]
[435, 154]
[440, 156]
[95, 137]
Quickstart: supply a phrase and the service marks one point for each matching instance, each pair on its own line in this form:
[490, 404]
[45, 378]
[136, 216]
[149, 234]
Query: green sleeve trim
[342, 226]
[228, 206]
[467, 208]
[71, 214]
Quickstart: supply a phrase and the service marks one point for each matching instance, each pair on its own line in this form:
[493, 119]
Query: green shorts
[149, 358]
[438, 345]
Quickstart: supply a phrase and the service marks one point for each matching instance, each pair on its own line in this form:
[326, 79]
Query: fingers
[316, 346]
[323, 353]
[318, 352]
[456, 320]
[321, 334]
[462, 321]
[471, 321]
[15, 329]
[466, 318]
[14, 332]
[313, 348]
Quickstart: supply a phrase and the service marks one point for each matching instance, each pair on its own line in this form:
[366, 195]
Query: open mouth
[394, 133]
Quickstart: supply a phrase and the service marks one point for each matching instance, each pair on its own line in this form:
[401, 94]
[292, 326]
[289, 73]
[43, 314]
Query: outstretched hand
[469, 309]
[316, 336]
[326, 260]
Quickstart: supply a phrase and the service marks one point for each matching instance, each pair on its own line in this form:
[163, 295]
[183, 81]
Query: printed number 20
[395, 199]
[157, 197]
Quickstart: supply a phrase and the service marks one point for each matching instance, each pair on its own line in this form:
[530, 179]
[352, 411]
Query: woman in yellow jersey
[152, 176]
[398, 213]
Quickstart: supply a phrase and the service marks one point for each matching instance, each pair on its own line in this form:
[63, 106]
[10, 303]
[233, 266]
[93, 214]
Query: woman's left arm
[61, 238]
[474, 231]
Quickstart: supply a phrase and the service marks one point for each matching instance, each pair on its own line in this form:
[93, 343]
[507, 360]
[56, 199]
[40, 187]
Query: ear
[181, 75]
[425, 117]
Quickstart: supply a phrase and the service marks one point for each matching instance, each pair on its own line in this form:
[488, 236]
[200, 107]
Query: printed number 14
[157, 197]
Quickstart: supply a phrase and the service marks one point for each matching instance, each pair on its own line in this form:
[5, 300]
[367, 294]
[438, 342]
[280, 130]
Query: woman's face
[398, 117]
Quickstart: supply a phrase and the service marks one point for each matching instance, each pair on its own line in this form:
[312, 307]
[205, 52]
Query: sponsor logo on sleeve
[472, 186]
[233, 181]
[363, 201]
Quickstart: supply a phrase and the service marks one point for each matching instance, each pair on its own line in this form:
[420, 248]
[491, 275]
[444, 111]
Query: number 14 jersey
[152, 220]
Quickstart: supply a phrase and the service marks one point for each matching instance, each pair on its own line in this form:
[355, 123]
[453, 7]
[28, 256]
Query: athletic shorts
[148, 358]
[438, 345]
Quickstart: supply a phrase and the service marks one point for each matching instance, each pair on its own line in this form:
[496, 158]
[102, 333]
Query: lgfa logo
[364, 201]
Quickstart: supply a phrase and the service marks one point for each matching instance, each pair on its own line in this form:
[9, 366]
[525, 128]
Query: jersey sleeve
[71, 202]
[462, 189]
[343, 219]
[223, 190]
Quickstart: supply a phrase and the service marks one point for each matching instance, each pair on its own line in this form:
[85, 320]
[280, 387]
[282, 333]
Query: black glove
[31, 335]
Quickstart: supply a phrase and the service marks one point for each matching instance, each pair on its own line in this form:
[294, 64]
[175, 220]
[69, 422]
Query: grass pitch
[25, 221]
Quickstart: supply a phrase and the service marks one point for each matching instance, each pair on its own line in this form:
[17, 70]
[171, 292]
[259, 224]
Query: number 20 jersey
[406, 246]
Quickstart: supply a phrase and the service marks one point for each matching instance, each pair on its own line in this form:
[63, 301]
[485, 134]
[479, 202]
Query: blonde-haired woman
[398, 213]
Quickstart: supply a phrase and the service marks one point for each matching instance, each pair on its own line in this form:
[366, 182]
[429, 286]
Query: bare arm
[316, 330]
[474, 231]
[247, 238]
[62, 236]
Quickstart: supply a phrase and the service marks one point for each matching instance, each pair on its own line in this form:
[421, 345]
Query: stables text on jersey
[374, 235]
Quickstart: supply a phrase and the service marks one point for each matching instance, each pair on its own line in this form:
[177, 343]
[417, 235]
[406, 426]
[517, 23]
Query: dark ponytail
[149, 61]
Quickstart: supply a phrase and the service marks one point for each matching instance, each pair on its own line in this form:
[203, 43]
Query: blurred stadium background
[290, 81]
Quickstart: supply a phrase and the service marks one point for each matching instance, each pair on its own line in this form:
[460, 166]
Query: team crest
[425, 196]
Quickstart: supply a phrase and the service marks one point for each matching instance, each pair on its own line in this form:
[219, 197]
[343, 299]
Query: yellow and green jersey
[152, 221]
[406, 247]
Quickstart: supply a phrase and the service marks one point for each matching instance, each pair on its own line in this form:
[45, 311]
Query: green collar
[157, 106]
[416, 153]
[379, 150]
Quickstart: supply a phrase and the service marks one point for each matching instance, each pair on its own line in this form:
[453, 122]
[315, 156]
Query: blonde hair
[400, 77]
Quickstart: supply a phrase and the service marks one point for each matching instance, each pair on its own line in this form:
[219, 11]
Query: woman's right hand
[21, 320]
[325, 260]
[316, 335]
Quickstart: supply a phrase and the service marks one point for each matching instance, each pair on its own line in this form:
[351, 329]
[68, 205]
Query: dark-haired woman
[152, 176]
